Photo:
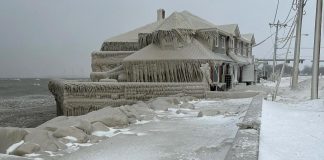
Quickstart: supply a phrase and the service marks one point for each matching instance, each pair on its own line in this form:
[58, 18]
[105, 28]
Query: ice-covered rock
[209, 112]
[131, 113]
[26, 148]
[188, 98]
[180, 111]
[9, 136]
[187, 106]
[78, 134]
[98, 126]
[111, 117]
[96, 139]
[85, 126]
[162, 103]
[58, 122]
[44, 139]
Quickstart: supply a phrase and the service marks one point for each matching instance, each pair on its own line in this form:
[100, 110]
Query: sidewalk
[292, 131]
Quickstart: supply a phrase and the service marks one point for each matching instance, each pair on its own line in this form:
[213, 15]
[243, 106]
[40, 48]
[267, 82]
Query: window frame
[216, 43]
[223, 39]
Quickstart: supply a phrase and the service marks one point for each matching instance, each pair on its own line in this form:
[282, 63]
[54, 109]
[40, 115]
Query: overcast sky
[55, 38]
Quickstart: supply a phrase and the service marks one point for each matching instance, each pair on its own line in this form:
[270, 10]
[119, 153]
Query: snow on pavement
[292, 131]
[173, 136]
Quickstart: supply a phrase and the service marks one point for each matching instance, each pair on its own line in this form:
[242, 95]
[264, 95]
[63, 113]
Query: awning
[240, 59]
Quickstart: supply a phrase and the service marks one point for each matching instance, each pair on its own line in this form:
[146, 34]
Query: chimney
[160, 14]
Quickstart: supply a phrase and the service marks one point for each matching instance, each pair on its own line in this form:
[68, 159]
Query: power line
[289, 35]
[302, 48]
[291, 8]
[275, 17]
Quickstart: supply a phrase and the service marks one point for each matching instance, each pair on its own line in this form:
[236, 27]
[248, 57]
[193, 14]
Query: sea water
[25, 102]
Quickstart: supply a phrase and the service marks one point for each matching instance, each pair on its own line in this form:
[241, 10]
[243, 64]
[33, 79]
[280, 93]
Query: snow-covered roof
[177, 20]
[230, 28]
[249, 37]
[180, 20]
[132, 36]
[240, 59]
[184, 20]
[191, 51]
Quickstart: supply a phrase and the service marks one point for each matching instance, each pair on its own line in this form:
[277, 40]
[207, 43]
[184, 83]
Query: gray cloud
[43, 38]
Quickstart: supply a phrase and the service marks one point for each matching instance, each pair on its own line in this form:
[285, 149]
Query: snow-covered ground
[203, 132]
[292, 127]
[174, 136]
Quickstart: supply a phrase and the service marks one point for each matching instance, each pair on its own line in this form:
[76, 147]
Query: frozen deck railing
[76, 98]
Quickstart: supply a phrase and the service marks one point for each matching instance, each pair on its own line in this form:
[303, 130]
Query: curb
[246, 142]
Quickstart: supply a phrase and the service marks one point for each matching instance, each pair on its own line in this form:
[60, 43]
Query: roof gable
[230, 28]
[249, 37]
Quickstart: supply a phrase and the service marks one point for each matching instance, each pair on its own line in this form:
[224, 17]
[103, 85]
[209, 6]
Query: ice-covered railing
[77, 98]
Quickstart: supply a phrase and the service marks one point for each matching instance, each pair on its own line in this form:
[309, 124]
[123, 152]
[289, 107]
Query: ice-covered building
[162, 58]
[172, 50]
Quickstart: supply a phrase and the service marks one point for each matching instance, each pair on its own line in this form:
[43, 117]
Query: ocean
[25, 102]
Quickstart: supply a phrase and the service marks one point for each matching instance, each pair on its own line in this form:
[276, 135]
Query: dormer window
[216, 41]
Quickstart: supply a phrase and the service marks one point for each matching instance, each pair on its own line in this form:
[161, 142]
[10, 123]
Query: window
[216, 41]
[223, 42]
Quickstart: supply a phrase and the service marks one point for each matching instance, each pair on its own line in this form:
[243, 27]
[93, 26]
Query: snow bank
[292, 132]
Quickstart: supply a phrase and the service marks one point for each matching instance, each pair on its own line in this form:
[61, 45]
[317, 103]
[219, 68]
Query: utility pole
[277, 25]
[317, 49]
[299, 22]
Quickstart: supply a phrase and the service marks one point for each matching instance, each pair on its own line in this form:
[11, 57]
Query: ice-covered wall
[77, 98]
[120, 46]
[103, 61]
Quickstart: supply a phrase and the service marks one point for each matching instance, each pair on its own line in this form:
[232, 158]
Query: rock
[200, 114]
[173, 100]
[161, 104]
[85, 126]
[111, 117]
[143, 110]
[209, 112]
[131, 113]
[26, 148]
[59, 122]
[181, 111]
[188, 98]
[187, 105]
[96, 139]
[44, 139]
[80, 136]
[10, 136]
[98, 126]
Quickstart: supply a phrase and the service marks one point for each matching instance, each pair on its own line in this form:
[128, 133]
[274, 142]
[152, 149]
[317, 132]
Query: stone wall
[76, 98]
